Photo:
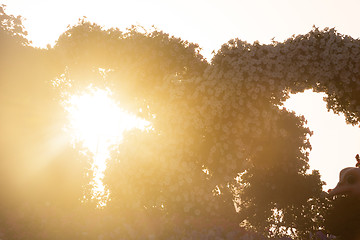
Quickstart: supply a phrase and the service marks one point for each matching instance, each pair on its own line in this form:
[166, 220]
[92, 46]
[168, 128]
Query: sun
[94, 116]
[97, 122]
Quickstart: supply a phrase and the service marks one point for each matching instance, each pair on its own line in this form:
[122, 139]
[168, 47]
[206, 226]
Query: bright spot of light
[98, 122]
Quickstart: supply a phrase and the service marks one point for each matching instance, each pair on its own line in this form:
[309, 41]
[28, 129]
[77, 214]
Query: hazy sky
[211, 23]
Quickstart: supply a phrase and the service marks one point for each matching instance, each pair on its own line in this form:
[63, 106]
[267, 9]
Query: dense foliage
[343, 219]
[223, 159]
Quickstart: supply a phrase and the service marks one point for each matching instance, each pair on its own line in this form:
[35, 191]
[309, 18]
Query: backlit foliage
[221, 153]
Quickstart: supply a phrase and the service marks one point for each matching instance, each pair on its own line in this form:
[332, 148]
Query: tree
[222, 151]
[40, 172]
[214, 122]
[11, 28]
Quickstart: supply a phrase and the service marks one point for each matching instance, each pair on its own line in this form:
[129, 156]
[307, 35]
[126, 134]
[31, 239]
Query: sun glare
[96, 121]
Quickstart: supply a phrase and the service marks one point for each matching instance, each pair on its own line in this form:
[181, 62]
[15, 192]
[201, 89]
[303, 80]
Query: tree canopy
[224, 159]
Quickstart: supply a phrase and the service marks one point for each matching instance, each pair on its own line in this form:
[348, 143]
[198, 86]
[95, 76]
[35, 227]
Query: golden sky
[211, 23]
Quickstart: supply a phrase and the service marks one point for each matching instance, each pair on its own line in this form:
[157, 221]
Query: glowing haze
[98, 122]
[211, 23]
